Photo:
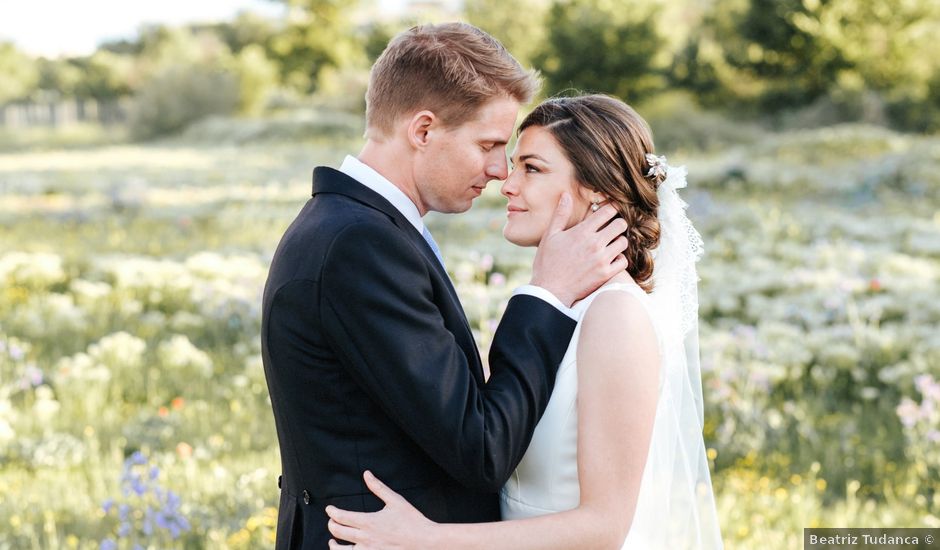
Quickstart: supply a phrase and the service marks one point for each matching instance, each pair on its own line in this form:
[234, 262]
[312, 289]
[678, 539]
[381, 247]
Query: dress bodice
[546, 479]
[675, 508]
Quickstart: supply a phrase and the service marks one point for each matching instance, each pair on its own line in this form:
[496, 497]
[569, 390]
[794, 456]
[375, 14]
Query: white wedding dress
[675, 508]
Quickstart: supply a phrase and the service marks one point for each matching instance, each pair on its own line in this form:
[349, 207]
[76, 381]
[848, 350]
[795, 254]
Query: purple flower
[928, 387]
[909, 412]
[108, 506]
[138, 458]
[108, 544]
[33, 376]
[154, 472]
[172, 521]
[138, 486]
[927, 408]
[16, 352]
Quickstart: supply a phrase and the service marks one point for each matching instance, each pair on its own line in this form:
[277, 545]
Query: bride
[618, 459]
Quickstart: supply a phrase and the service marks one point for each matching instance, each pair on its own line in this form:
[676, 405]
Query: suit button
[278, 482]
[306, 497]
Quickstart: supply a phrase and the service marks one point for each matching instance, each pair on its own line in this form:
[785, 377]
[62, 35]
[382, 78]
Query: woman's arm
[618, 374]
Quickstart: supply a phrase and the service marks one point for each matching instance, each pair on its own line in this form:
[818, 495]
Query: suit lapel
[328, 180]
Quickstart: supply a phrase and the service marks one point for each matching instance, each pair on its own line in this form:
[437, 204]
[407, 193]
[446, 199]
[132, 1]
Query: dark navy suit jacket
[371, 364]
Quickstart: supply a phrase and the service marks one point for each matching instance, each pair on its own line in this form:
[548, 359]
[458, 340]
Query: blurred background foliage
[779, 62]
[136, 237]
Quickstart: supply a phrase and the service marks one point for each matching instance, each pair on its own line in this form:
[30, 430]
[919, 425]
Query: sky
[52, 28]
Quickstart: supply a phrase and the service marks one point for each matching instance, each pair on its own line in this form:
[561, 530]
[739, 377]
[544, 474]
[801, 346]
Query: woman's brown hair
[607, 142]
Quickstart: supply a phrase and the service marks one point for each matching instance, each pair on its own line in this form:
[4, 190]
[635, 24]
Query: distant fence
[64, 112]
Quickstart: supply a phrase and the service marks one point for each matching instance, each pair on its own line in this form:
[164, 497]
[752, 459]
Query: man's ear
[419, 128]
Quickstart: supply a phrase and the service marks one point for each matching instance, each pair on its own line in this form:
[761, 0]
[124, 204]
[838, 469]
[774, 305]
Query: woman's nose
[510, 187]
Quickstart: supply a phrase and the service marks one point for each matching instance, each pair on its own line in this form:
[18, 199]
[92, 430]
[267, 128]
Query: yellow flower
[269, 516]
[764, 482]
[239, 539]
[252, 523]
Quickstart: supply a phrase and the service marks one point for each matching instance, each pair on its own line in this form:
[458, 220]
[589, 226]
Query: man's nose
[497, 169]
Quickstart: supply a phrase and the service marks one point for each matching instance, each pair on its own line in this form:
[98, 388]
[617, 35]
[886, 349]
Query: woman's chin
[517, 238]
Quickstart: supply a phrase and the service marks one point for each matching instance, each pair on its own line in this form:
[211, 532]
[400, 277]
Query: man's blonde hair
[450, 69]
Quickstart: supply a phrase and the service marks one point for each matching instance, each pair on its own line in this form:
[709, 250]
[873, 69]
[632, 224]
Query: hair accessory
[658, 166]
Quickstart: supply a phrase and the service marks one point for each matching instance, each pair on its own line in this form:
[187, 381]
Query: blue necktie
[437, 251]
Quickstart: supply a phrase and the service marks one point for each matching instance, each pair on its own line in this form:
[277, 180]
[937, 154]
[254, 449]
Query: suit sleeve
[378, 311]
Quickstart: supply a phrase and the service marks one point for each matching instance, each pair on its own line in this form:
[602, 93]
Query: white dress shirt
[375, 181]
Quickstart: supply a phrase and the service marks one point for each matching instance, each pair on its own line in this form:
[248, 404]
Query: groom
[369, 359]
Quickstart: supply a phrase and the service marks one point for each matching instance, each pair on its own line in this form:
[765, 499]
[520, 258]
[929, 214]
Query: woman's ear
[419, 129]
[590, 197]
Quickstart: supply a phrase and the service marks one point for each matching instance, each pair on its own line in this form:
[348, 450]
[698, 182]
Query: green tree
[105, 75]
[245, 30]
[59, 75]
[778, 54]
[257, 76]
[793, 64]
[379, 33]
[20, 73]
[602, 46]
[519, 25]
[180, 95]
[884, 42]
[318, 34]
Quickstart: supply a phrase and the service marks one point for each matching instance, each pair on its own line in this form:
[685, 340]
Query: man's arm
[378, 310]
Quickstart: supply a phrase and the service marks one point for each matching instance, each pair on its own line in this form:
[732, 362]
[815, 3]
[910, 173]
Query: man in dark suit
[369, 359]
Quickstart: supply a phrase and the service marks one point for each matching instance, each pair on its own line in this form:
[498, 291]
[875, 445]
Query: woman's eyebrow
[532, 156]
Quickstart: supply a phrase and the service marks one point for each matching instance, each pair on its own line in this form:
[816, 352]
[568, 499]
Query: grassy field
[133, 408]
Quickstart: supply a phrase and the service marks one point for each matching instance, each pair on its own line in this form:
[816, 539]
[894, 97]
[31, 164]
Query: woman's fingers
[380, 490]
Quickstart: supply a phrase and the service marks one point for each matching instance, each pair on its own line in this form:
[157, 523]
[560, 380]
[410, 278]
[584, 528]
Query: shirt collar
[367, 176]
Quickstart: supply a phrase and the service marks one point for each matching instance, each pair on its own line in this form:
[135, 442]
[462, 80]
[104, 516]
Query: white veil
[677, 510]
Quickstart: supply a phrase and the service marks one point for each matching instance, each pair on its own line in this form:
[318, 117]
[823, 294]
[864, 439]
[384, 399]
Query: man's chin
[454, 207]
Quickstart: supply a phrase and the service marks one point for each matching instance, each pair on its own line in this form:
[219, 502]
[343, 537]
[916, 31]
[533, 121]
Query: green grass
[130, 279]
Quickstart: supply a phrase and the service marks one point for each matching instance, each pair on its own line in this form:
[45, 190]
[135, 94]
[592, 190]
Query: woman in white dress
[618, 459]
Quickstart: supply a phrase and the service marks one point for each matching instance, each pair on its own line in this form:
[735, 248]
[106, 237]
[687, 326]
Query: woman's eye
[531, 169]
